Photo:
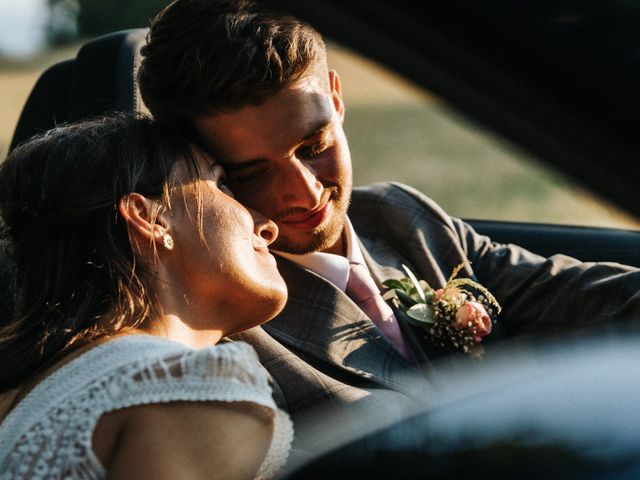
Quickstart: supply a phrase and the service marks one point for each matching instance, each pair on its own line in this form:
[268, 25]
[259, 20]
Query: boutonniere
[456, 316]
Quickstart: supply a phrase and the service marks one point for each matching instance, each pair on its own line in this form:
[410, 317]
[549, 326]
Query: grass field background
[397, 132]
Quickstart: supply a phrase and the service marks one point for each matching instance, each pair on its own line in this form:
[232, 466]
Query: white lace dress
[48, 434]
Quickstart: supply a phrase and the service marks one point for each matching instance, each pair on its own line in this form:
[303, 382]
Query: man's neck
[338, 248]
[331, 266]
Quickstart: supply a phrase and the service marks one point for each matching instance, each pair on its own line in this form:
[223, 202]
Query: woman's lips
[261, 248]
[309, 220]
[260, 244]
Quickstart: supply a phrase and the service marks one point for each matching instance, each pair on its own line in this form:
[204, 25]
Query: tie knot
[360, 285]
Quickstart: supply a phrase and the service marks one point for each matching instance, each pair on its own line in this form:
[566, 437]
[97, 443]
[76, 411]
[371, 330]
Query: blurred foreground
[559, 408]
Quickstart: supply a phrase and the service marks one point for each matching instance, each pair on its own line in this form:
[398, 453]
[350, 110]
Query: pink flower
[473, 317]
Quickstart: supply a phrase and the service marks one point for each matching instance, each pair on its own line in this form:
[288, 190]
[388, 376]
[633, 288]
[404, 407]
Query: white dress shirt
[334, 268]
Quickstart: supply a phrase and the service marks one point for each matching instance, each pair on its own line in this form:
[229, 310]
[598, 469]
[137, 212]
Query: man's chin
[309, 242]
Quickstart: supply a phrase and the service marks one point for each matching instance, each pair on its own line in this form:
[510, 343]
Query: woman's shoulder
[166, 359]
[146, 368]
[141, 369]
[221, 390]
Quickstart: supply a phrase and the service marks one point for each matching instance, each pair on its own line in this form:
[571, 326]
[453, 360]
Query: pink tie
[364, 292]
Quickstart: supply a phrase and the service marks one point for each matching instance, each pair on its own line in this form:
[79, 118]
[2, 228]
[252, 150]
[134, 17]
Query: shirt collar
[331, 267]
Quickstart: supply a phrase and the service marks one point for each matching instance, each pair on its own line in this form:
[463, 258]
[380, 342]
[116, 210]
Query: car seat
[99, 79]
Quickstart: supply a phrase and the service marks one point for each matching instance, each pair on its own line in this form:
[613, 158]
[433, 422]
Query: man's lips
[309, 220]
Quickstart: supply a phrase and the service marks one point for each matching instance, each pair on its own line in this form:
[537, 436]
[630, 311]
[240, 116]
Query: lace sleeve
[49, 433]
[227, 372]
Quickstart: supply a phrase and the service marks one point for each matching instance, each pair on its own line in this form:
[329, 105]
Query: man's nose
[301, 187]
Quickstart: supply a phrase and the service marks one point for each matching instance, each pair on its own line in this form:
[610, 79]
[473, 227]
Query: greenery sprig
[456, 315]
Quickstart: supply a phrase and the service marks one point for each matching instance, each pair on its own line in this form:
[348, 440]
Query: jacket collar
[322, 321]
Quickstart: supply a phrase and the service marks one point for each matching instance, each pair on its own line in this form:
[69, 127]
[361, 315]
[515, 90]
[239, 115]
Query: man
[253, 87]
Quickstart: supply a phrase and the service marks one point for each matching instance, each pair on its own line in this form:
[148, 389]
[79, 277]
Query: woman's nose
[263, 227]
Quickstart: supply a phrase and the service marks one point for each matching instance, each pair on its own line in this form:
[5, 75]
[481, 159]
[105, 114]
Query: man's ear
[336, 93]
[146, 226]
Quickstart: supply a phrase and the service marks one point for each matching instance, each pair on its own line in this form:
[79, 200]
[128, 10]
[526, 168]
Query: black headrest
[99, 79]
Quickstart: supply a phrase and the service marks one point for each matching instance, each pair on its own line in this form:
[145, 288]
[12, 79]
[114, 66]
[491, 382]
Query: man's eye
[314, 150]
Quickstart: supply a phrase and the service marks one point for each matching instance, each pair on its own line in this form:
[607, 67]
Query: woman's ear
[146, 226]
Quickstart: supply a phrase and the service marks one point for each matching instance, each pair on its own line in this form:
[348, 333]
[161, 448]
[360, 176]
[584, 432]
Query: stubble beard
[320, 238]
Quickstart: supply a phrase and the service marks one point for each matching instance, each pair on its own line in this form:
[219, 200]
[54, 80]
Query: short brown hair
[208, 56]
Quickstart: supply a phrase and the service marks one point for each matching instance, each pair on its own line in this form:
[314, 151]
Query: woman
[132, 259]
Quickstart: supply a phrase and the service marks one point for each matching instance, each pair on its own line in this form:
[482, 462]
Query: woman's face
[224, 270]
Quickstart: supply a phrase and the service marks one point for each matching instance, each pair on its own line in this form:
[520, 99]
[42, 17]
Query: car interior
[558, 77]
[101, 78]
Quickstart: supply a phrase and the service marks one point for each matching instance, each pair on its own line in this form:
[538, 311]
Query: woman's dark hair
[75, 275]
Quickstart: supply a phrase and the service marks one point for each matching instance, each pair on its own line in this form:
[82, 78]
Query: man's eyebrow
[231, 167]
[319, 130]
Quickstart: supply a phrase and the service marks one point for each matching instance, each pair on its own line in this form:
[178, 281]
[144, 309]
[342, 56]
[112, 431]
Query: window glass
[18, 75]
[399, 132]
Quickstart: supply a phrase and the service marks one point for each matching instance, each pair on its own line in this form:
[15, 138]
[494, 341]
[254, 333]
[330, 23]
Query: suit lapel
[320, 320]
[414, 336]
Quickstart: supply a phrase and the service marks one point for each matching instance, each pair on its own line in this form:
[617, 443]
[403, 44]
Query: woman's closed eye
[248, 175]
[223, 187]
[221, 178]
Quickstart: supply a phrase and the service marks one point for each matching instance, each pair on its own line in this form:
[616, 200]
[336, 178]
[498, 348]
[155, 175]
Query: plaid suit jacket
[324, 353]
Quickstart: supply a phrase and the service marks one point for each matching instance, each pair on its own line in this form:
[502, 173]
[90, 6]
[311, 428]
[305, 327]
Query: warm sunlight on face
[224, 269]
[288, 158]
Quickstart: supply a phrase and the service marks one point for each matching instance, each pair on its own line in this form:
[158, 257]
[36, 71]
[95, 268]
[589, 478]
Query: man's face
[288, 159]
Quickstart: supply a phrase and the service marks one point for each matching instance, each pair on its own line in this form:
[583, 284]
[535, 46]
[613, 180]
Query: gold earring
[167, 241]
